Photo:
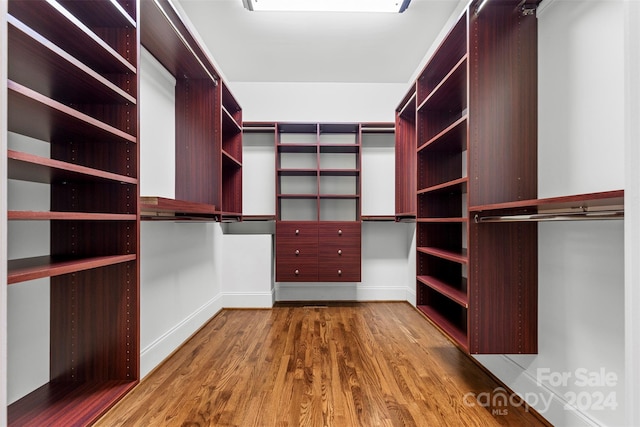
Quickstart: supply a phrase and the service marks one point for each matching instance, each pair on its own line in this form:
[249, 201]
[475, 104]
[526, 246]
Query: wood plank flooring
[350, 364]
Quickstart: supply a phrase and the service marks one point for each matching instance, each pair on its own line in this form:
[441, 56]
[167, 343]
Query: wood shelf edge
[577, 201]
[154, 207]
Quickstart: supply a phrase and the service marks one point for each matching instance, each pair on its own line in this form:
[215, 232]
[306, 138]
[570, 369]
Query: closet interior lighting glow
[397, 6]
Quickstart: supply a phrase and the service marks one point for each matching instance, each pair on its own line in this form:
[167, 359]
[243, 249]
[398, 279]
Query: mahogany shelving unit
[208, 123]
[73, 84]
[405, 157]
[476, 144]
[318, 209]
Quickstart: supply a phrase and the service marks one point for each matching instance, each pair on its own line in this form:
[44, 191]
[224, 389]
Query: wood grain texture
[349, 364]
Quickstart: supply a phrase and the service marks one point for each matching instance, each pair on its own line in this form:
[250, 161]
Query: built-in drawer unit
[308, 251]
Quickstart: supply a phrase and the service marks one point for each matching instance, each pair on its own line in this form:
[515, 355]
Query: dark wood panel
[339, 271]
[503, 114]
[405, 156]
[94, 325]
[503, 299]
[198, 151]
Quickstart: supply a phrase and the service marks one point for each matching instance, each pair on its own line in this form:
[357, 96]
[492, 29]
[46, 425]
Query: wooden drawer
[296, 230]
[329, 231]
[300, 270]
[296, 248]
[340, 250]
[339, 271]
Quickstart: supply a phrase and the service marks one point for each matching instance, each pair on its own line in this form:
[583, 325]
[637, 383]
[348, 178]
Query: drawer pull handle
[339, 251]
[339, 272]
[339, 232]
[297, 272]
[297, 251]
[297, 232]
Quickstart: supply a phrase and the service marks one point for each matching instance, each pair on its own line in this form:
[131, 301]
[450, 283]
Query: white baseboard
[548, 403]
[161, 348]
[248, 299]
[338, 292]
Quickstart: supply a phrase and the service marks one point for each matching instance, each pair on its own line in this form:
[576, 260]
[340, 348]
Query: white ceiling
[317, 47]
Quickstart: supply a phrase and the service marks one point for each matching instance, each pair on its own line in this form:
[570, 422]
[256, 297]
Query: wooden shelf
[158, 208]
[228, 158]
[170, 42]
[444, 220]
[453, 138]
[578, 202]
[446, 95]
[44, 67]
[24, 269]
[63, 29]
[68, 216]
[441, 322]
[297, 148]
[100, 14]
[449, 291]
[297, 172]
[229, 123]
[379, 218]
[339, 148]
[67, 403]
[459, 257]
[455, 186]
[35, 115]
[339, 172]
[28, 167]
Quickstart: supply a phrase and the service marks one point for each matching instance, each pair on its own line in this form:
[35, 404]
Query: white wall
[318, 102]
[581, 265]
[632, 211]
[180, 263]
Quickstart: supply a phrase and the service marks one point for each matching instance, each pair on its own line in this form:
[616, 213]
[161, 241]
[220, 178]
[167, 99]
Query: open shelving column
[318, 209]
[208, 125]
[477, 144]
[405, 157]
[73, 83]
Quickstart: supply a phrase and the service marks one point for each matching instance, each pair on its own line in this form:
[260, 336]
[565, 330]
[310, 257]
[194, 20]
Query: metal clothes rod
[183, 40]
[567, 216]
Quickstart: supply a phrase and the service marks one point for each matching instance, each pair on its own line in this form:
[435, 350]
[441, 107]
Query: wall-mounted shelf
[208, 137]
[162, 208]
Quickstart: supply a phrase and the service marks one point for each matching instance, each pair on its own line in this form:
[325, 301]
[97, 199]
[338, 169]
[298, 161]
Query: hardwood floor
[351, 364]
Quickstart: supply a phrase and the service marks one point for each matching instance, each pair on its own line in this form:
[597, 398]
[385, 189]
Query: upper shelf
[41, 65]
[63, 29]
[163, 33]
[28, 167]
[37, 116]
[162, 208]
[101, 13]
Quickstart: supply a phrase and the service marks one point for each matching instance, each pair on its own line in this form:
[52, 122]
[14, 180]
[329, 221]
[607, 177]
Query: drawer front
[305, 270]
[296, 230]
[293, 249]
[330, 231]
[346, 271]
[347, 249]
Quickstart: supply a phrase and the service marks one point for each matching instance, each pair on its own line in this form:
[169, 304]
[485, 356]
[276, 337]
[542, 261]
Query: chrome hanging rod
[566, 216]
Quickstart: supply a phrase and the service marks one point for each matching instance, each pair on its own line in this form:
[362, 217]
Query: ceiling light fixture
[397, 6]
